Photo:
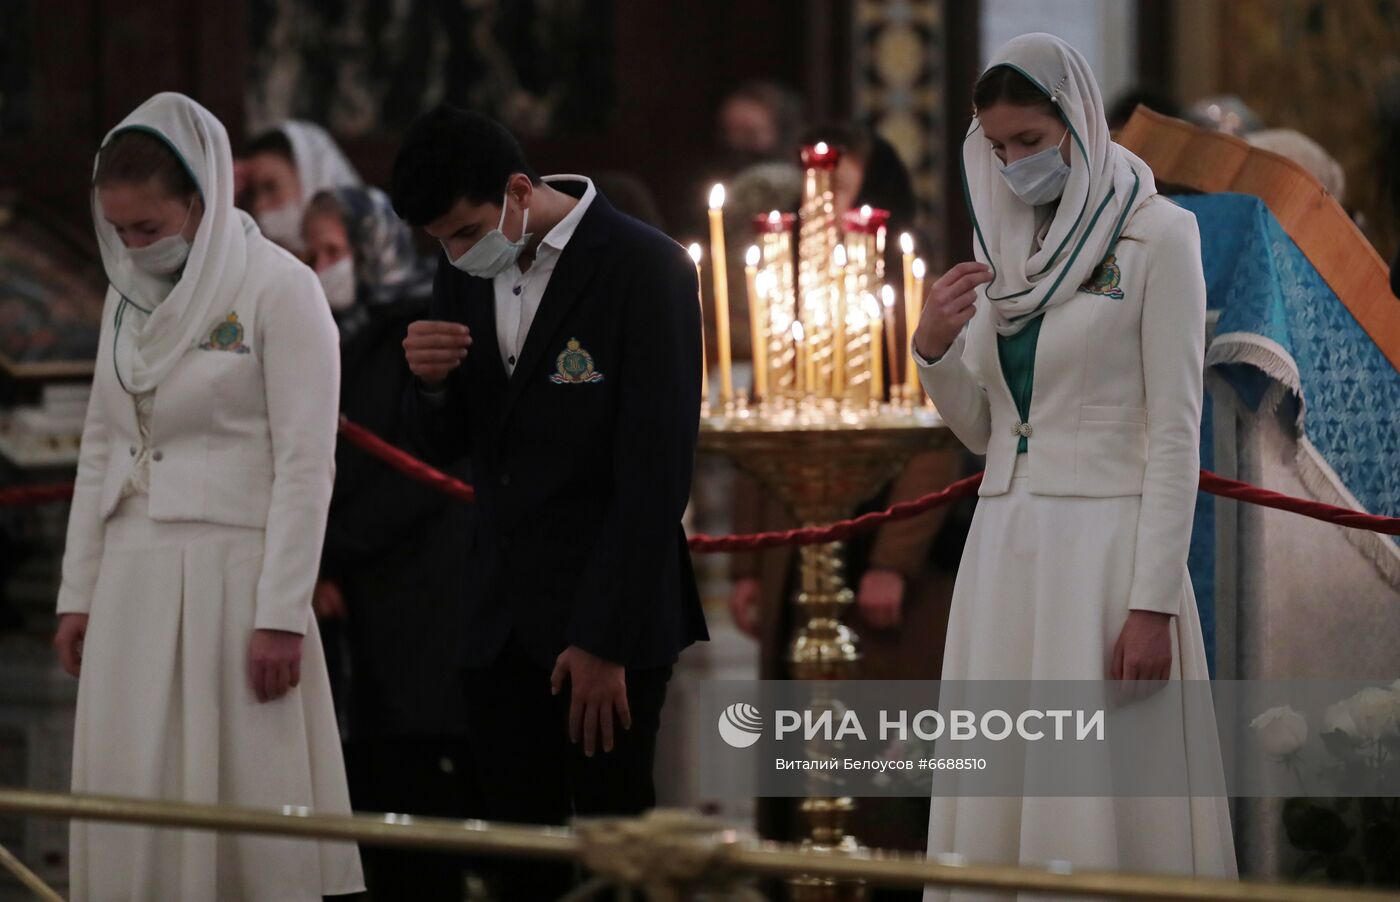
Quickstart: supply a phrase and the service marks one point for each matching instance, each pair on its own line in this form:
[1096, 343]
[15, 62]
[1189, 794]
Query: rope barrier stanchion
[668, 849]
[413, 468]
[27, 878]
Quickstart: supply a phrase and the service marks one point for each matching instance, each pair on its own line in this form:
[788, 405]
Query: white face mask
[165, 255]
[1039, 178]
[494, 253]
[283, 225]
[338, 281]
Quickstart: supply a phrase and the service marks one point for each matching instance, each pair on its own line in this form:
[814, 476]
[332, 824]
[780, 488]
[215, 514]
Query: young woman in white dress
[194, 538]
[1070, 353]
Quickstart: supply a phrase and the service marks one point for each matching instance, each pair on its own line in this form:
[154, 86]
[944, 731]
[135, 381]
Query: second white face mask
[1039, 178]
[164, 256]
[283, 225]
[338, 282]
[494, 253]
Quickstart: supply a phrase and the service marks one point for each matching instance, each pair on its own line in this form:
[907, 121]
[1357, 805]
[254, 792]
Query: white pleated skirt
[165, 711]
[1042, 594]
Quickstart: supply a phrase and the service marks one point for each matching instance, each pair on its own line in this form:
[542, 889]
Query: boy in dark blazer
[562, 353]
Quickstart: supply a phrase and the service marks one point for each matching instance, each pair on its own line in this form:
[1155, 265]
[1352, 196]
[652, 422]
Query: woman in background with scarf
[393, 576]
[282, 169]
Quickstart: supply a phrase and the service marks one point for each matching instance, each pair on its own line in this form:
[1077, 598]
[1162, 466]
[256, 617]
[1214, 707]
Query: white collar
[563, 230]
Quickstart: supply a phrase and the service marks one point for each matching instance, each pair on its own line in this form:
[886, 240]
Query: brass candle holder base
[821, 461]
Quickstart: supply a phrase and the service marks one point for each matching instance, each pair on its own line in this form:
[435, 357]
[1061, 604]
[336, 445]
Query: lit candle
[877, 378]
[838, 323]
[891, 348]
[758, 324]
[919, 270]
[906, 247]
[695, 253]
[802, 358]
[719, 273]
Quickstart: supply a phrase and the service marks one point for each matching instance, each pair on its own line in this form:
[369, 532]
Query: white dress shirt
[518, 294]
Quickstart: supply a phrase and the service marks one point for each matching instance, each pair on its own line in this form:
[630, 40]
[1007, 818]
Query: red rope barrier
[818, 535]
[24, 495]
[404, 462]
[1341, 516]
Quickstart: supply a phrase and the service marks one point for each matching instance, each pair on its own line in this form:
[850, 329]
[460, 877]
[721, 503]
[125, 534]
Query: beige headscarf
[1106, 183]
[155, 322]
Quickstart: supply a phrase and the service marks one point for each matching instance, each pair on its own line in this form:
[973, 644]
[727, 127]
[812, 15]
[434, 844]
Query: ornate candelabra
[824, 427]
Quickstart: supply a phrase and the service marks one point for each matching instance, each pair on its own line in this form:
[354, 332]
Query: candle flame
[797, 333]
[865, 211]
[717, 197]
[906, 243]
[753, 256]
[872, 306]
[775, 217]
[695, 252]
[821, 148]
[839, 256]
[919, 268]
[887, 295]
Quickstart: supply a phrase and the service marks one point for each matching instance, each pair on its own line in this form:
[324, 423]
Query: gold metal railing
[663, 852]
[27, 878]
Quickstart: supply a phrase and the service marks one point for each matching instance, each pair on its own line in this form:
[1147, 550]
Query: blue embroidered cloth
[1282, 329]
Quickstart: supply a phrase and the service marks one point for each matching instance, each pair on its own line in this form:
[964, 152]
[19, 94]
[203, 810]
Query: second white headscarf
[156, 323]
[1106, 184]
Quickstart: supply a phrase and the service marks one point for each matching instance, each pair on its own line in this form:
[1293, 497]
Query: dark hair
[324, 203]
[137, 156]
[784, 105]
[1003, 84]
[274, 142]
[449, 154]
[885, 181]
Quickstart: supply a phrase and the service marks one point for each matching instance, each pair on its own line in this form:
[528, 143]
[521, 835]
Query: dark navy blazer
[582, 474]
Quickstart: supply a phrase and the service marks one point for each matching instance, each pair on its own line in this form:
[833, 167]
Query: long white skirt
[1042, 594]
[165, 711]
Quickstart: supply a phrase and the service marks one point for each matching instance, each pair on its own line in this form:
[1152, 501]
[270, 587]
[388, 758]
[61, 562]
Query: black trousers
[422, 775]
[529, 773]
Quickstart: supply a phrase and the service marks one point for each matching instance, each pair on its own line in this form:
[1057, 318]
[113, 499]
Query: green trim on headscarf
[977, 228]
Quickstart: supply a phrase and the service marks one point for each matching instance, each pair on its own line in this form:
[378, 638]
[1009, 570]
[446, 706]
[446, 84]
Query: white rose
[1282, 731]
[1373, 712]
[1338, 717]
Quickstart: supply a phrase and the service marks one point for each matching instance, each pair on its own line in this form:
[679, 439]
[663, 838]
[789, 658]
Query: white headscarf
[320, 163]
[156, 322]
[1106, 183]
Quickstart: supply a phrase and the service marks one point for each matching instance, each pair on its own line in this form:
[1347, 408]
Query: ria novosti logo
[740, 725]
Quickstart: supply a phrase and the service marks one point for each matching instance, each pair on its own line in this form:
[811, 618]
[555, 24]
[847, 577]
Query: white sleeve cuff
[926, 362]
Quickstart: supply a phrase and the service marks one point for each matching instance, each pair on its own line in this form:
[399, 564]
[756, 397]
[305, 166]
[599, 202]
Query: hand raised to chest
[434, 349]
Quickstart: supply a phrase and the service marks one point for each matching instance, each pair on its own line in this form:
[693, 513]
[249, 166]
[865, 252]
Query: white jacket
[242, 434]
[1116, 398]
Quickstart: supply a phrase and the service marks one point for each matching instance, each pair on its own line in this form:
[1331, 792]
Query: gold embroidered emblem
[226, 336]
[1106, 279]
[574, 366]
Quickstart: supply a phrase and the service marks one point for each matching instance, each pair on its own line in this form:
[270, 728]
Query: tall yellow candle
[695, 254]
[802, 358]
[877, 376]
[719, 273]
[891, 346]
[838, 321]
[919, 270]
[911, 315]
[758, 324]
